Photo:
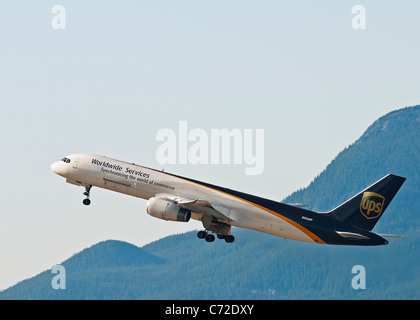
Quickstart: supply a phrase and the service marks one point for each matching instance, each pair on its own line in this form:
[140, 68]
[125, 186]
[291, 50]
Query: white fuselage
[145, 183]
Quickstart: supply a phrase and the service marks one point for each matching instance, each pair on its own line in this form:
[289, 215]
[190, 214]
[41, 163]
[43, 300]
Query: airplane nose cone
[54, 167]
[57, 167]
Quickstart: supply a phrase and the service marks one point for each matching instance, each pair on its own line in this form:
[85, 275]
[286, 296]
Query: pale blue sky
[121, 71]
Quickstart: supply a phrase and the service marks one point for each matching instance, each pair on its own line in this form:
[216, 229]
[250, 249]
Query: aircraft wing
[198, 206]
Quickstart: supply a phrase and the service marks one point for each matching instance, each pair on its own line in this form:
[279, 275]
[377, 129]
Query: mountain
[260, 266]
[110, 263]
[390, 145]
[111, 254]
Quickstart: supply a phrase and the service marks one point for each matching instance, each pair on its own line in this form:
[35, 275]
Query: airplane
[176, 198]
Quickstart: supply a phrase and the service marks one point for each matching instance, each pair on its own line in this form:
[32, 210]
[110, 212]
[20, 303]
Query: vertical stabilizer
[365, 209]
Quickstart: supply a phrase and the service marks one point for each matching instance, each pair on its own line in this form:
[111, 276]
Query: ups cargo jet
[175, 198]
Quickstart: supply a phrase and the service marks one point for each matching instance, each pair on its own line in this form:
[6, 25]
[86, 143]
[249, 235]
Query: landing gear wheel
[229, 238]
[201, 234]
[209, 238]
[86, 201]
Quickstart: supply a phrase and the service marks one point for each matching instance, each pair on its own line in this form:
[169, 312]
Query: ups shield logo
[371, 205]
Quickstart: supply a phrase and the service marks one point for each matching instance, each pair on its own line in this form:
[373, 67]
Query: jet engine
[162, 209]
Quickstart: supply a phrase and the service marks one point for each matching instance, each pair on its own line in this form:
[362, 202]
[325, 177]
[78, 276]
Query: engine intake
[162, 209]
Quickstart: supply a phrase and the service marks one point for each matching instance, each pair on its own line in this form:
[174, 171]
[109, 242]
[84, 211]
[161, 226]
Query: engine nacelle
[162, 209]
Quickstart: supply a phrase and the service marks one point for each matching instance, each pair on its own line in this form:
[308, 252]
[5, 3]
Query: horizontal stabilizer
[299, 205]
[390, 236]
[351, 235]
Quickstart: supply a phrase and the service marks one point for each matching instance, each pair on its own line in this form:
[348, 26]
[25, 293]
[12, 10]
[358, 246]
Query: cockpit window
[66, 160]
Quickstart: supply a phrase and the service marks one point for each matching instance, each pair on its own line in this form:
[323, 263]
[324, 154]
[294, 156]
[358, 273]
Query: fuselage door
[75, 163]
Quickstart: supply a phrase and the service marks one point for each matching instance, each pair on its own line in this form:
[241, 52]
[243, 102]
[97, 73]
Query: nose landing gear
[86, 201]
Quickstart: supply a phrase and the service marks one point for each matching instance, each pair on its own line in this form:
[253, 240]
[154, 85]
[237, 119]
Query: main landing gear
[86, 201]
[221, 229]
[203, 234]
